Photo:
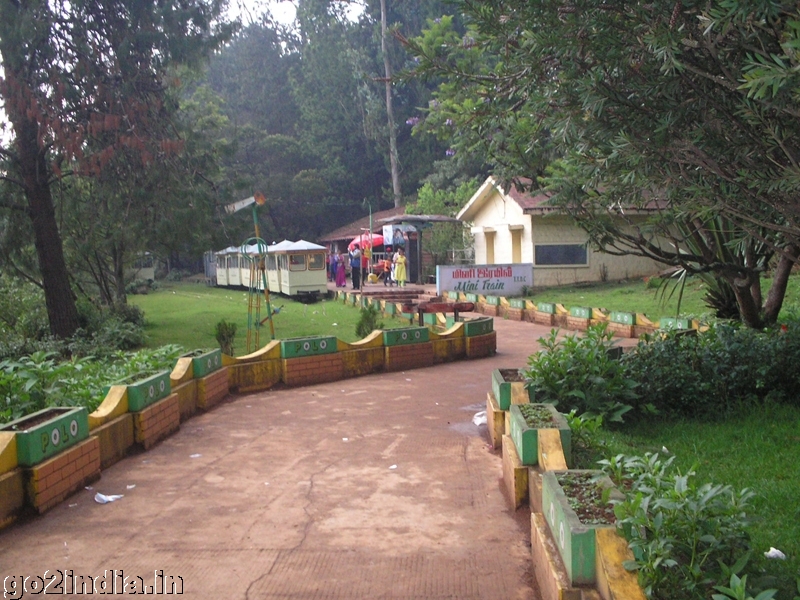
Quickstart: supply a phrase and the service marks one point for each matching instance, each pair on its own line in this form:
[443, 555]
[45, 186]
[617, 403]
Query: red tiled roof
[348, 232]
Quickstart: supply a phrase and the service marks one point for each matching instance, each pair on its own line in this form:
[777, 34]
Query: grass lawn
[759, 451]
[186, 314]
[635, 296]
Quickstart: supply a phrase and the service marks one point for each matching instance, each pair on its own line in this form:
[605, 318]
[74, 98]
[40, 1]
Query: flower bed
[47, 432]
[526, 420]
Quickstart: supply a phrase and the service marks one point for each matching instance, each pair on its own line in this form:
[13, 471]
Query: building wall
[558, 229]
[498, 214]
[503, 215]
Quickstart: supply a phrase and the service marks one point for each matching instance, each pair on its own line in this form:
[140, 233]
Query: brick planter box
[51, 481]
[515, 314]
[544, 318]
[405, 336]
[157, 422]
[47, 432]
[409, 356]
[205, 362]
[212, 389]
[146, 390]
[509, 391]
[308, 346]
[575, 540]
[481, 346]
[622, 324]
[308, 370]
[526, 439]
[479, 326]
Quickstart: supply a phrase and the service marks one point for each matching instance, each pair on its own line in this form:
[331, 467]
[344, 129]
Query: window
[548, 255]
[316, 262]
[297, 262]
[271, 262]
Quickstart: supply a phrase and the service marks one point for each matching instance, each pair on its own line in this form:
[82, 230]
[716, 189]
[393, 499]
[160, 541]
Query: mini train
[294, 269]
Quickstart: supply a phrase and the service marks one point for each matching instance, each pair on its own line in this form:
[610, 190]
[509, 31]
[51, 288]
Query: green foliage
[578, 373]
[225, 333]
[737, 590]
[715, 373]
[368, 321]
[41, 380]
[680, 531]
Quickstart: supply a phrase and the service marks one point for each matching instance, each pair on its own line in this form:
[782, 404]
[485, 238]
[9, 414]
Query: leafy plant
[368, 321]
[578, 373]
[737, 590]
[680, 532]
[225, 332]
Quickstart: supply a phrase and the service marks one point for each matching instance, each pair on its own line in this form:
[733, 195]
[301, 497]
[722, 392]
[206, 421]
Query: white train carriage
[299, 269]
[295, 269]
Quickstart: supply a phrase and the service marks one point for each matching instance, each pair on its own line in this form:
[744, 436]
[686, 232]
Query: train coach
[294, 269]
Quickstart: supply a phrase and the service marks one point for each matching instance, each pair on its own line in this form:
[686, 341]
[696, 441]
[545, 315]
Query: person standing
[341, 270]
[355, 266]
[400, 268]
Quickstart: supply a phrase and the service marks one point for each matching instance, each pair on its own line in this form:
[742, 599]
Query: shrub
[578, 373]
[368, 321]
[715, 373]
[681, 533]
[225, 332]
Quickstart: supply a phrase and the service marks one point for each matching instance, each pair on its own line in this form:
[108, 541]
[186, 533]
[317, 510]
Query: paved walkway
[376, 487]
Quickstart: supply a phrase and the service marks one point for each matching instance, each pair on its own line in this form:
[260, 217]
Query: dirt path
[376, 487]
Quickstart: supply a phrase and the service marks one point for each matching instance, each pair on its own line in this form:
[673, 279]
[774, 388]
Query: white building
[515, 227]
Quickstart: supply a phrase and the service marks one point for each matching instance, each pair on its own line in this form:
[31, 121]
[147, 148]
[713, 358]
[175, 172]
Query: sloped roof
[525, 200]
[356, 228]
[304, 245]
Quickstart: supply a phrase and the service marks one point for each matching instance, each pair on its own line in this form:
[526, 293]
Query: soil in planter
[38, 419]
[512, 375]
[585, 497]
[537, 417]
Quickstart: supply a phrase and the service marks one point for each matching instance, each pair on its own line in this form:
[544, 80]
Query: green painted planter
[625, 318]
[308, 346]
[405, 335]
[352, 299]
[546, 307]
[146, 390]
[430, 319]
[205, 362]
[673, 323]
[390, 308]
[526, 439]
[472, 297]
[516, 303]
[493, 300]
[452, 295]
[581, 312]
[575, 540]
[502, 388]
[376, 304]
[38, 440]
[479, 326]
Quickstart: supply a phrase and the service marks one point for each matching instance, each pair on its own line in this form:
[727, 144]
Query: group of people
[394, 270]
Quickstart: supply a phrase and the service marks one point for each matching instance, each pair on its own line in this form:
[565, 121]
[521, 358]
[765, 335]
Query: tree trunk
[780, 279]
[118, 254]
[61, 310]
[387, 67]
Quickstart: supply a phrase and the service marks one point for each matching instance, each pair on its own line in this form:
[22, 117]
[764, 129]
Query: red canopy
[363, 241]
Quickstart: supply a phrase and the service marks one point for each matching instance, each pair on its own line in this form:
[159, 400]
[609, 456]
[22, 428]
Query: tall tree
[688, 108]
[84, 79]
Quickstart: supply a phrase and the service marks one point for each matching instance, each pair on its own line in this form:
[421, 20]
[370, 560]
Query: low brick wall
[490, 310]
[187, 398]
[362, 362]
[577, 323]
[481, 346]
[516, 314]
[409, 356]
[12, 496]
[254, 376]
[621, 330]
[449, 349]
[157, 421]
[116, 439]
[49, 482]
[308, 370]
[212, 389]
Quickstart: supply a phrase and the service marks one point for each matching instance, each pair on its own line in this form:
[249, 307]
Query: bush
[368, 321]
[225, 332]
[717, 372]
[579, 373]
[682, 534]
